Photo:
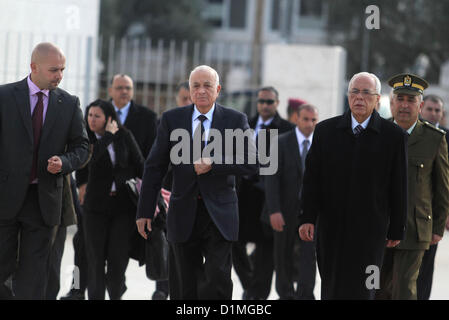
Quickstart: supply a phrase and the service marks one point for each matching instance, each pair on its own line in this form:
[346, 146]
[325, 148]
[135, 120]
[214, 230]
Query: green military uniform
[428, 205]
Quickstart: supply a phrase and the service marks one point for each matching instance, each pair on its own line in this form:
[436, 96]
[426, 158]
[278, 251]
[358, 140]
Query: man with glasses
[428, 190]
[256, 273]
[355, 193]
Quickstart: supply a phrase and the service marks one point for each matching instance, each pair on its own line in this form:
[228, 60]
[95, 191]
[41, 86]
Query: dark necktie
[358, 130]
[119, 116]
[36, 119]
[263, 126]
[305, 150]
[202, 118]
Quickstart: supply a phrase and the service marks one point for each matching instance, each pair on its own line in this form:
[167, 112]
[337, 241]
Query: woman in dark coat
[109, 213]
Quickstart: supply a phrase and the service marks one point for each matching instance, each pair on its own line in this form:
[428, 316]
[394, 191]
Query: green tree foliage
[408, 29]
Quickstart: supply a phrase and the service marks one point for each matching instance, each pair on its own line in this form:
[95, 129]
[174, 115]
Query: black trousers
[242, 263]
[425, 277]
[54, 268]
[25, 243]
[203, 263]
[294, 261]
[107, 240]
[80, 257]
[255, 271]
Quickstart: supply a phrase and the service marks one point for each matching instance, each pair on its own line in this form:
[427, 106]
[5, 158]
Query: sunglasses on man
[267, 101]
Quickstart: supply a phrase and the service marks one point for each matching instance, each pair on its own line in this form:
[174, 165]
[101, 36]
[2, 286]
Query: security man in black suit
[283, 192]
[42, 139]
[202, 220]
[256, 272]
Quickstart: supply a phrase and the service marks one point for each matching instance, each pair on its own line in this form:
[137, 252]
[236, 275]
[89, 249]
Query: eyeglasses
[267, 101]
[365, 92]
[120, 88]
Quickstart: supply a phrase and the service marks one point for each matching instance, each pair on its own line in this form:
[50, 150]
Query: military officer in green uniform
[428, 190]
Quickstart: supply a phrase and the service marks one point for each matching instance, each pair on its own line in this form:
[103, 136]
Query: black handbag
[133, 187]
[156, 246]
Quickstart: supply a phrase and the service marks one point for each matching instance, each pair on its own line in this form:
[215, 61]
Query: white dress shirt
[355, 123]
[300, 137]
[207, 123]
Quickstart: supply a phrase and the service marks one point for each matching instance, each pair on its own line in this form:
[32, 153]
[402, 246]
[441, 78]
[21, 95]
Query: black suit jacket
[63, 134]
[216, 187]
[99, 174]
[252, 194]
[282, 189]
[142, 122]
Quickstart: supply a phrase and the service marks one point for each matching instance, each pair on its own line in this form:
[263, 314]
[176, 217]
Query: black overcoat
[355, 191]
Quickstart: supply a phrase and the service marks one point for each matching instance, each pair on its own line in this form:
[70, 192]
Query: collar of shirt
[409, 130]
[124, 111]
[207, 123]
[259, 124]
[34, 89]
[354, 122]
[300, 137]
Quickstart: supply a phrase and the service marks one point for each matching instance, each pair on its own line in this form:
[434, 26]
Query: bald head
[121, 90]
[43, 50]
[47, 66]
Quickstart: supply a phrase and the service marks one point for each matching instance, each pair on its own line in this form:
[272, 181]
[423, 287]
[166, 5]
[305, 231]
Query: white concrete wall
[312, 73]
[70, 24]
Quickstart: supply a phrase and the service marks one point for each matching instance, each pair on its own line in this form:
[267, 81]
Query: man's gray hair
[207, 69]
[371, 75]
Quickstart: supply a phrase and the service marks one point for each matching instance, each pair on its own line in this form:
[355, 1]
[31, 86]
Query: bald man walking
[202, 219]
[42, 138]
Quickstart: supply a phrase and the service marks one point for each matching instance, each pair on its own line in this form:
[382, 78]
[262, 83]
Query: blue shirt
[123, 112]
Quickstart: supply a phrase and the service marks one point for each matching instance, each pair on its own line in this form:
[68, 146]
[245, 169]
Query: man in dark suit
[42, 138]
[256, 272]
[283, 191]
[355, 189]
[202, 220]
[431, 111]
[139, 119]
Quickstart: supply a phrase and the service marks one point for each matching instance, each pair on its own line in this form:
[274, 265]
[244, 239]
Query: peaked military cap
[408, 83]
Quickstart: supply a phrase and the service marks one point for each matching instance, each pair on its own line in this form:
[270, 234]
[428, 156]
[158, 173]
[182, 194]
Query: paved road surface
[140, 288]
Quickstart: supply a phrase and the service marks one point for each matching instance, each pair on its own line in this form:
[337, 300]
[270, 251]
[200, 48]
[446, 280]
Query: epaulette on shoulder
[431, 126]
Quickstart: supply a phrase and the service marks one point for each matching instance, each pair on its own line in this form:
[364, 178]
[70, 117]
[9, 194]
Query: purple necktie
[36, 119]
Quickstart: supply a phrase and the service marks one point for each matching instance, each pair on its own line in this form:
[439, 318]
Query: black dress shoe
[159, 295]
[74, 295]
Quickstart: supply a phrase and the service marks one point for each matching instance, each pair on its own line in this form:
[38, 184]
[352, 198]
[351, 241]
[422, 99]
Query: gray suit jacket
[63, 134]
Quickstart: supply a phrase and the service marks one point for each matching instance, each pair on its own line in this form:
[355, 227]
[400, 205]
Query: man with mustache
[356, 164]
[428, 190]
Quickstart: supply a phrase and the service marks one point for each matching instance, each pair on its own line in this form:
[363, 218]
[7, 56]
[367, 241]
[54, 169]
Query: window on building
[275, 14]
[225, 14]
[237, 13]
[311, 8]
[213, 12]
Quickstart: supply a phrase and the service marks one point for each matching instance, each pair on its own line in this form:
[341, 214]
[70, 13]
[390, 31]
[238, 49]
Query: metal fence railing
[156, 66]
